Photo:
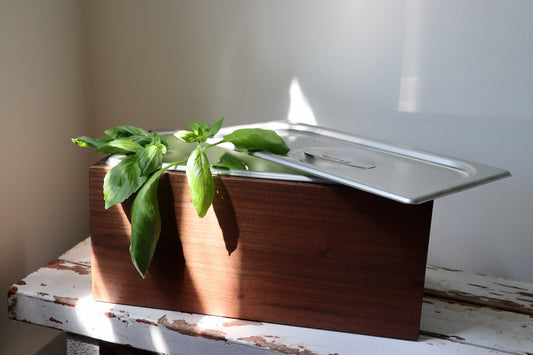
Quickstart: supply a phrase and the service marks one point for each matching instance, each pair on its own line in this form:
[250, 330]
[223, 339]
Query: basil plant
[139, 171]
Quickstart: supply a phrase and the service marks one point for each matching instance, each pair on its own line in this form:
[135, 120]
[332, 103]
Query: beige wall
[43, 182]
[166, 64]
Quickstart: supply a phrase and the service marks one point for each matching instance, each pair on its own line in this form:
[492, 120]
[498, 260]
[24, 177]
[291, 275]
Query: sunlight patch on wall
[410, 86]
[409, 94]
[300, 110]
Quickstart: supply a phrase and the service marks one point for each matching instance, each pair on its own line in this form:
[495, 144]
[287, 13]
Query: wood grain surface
[315, 255]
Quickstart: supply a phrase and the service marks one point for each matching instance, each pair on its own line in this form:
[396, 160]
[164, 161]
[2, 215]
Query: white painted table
[463, 313]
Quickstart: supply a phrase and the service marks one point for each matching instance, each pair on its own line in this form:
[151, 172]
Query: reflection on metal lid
[401, 174]
[340, 156]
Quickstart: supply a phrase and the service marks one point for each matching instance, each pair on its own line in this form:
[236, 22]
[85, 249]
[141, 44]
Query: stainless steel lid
[399, 173]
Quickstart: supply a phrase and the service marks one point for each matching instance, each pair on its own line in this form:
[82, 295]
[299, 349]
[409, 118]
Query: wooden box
[308, 254]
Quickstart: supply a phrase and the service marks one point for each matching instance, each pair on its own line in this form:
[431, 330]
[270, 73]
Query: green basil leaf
[141, 140]
[119, 146]
[162, 148]
[230, 161]
[150, 159]
[186, 136]
[125, 131]
[145, 224]
[220, 167]
[155, 139]
[254, 139]
[200, 181]
[122, 181]
[200, 128]
[160, 143]
[166, 144]
[213, 130]
[85, 141]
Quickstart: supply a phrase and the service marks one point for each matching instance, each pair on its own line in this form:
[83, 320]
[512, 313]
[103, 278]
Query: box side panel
[323, 256]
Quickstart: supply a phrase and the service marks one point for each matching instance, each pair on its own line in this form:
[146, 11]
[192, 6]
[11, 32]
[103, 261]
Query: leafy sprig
[140, 169]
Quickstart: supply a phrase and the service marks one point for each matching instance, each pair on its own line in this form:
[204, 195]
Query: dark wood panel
[316, 255]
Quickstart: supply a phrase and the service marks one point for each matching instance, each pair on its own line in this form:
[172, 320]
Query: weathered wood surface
[79, 254]
[479, 289]
[59, 296]
[316, 255]
[477, 325]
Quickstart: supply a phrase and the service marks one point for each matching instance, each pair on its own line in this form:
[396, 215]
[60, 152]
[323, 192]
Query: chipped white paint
[473, 324]
[479, 289]
[59, 296]
[80, 254]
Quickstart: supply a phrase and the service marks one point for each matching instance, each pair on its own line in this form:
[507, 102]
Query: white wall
[43, 184]
[452, 77]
